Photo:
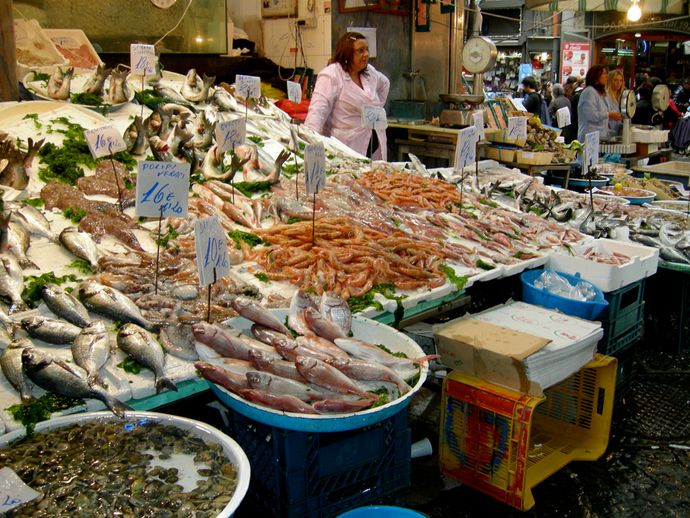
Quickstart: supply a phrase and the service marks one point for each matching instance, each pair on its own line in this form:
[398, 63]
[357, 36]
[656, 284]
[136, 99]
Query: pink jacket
[336, 106]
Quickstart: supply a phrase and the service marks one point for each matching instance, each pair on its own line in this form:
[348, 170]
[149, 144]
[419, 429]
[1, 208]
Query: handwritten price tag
[294, 91]
[248, 86]
[142, 59]
[211, 245]
[517, 128]
[591, 149]
[478, 122]
[230, 134]
[374, 117]
[563, 117]
[465, 150]
[162, 189]
[315, 167]
[104, 140]
[13, 491]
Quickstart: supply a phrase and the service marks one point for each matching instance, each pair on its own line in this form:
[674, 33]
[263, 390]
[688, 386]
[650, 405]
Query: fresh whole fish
[135, 136]
[253, 311]
[280, 367]
[321, 374]
[118, 89]
[369, 371]
[12, 282]
[232, 381]
[228, 342]
[275, 384]
[91, 350]
[58, 377]
[14, 173]
[109, 302]
[335, 308]
[321, 326]
[65, 305]
[369, 352]
[299, 302]
[59, 84]
[171, 96]
[321, 345]
[160, 149]
[178, 339]
[340, 406]
[195, 89]
[224, 100]
[143, 347]
[81, 245]
[50, 330]
[96, 81]
[286, 403]
[33, 221]
[9, 324]
[18, 242]
[11, 364]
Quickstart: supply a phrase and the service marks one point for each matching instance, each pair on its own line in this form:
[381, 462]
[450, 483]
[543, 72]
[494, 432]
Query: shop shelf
[503, 442]
[308, 474]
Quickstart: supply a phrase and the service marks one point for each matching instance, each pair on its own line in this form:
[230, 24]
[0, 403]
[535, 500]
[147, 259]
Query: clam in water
[111, 468]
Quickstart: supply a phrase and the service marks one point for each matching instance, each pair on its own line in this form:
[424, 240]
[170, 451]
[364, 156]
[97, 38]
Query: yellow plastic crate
[500, 136]
[534, 157]
[500, 153]
[503, 442]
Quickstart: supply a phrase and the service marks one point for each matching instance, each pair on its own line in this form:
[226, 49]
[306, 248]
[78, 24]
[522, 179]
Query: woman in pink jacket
[342, 89]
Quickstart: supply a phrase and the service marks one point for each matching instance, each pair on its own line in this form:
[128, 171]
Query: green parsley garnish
[40, 409]
[239, 236]
[33, 284]
[262, 277]
[81, 265]
[483, 265]
[130, 365]
[257, 140]
[74, 215]
[170, 234]
[249, 188]
[458, 280]
[34, 202]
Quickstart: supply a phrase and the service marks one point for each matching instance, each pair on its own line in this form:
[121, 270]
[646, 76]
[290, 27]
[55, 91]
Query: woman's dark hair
[592, 78]
[345, 49]
[529, 81]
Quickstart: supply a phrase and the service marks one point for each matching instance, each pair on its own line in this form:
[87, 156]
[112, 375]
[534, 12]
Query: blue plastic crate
[622, 332]
[307, 474]
[588, 310]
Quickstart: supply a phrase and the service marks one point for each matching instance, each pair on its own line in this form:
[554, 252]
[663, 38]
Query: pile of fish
[59, 85]
[321, 370]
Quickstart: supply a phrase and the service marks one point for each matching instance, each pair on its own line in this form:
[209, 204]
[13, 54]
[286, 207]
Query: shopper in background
[532, 99]
[682, 95]
[572, 91]
[547, 92]
[614, 92]
[643, 110]
[342, 89]
[558, 101]
[592, 111]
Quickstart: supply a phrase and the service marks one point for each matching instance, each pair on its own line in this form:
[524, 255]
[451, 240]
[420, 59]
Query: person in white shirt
[342, 89]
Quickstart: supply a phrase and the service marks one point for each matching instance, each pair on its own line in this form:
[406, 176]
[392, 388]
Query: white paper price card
[374, 117]
[315, 167]
[230, 134]
[248, 86]
[478, 121]
[466, 150]
[142, 59]
[563, 117]
[104, 140]
[211, 245]
[591, 150]
[517, 128]
[162, 189]
[294, 91]
[13, 491]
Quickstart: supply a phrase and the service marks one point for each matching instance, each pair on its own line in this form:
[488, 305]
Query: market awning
[647, 6]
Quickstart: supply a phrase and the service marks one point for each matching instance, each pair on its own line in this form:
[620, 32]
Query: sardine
[335, 308]
[321, 326]
[81, 245]
[91, 350]
[135, 136]
[33, 221]
[111, 303]
[369, 371]
[50, 330]
[285, 403]
[18, 242]
[144, 348]
[177, 339]
[299, 302]
[12, 282]
[321, 374]
[11, 364]
[232, 381]
[253, 311]
[65, 305]
[58, 377]
[59, 84]
[275, 384]
[96, 81]
[14, 173]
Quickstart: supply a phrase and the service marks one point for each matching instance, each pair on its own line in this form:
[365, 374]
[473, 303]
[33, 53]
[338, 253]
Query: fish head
[191, 77]
[20, 343]
[32, 323]
[88, 289]
[95, 327]
[202, 330]
[33, 359]
[129, 329]
[256, 378]
[306, 362]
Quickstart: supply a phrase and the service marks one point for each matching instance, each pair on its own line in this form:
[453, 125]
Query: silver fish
[91, 350]
[224, 100]
[96, 81]
[335, 308]
[285, 403]
[232, 381]
[171, 95]
[324, 375]
[118, 89]
[33, 221]
[160, 149]
[11, 364]
[59, 84]
[50, 330]
[65, 305]
[275, 384]
[135, 136]
[143, 347]
[12, 282]
[182, 134]
[321, 326]
[18, 242]
[299, 302]
[369, 352]
[369, 371]
[9, 324]
[81, 245]
[196, 89]
[228, 342]
[14, 173]
[251, 310]
[58, 377]
[280, 367]
[110, 302]
[178, 340]
[203, 130]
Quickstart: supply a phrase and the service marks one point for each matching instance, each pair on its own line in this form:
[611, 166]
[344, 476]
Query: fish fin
[115, 405]
[164, 382]
[428, 357]
[17, 307]
[28, 263]
[96, 379]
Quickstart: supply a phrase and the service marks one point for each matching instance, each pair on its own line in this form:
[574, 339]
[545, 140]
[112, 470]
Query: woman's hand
[616, 116]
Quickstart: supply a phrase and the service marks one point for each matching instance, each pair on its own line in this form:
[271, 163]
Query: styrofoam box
[649, 136]
[35, 50]
[75, 46]
[608, 277]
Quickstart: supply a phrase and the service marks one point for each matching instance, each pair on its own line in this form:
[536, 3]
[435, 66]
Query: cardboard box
[534, 157]
[35, 50]
[75, 47]
[500, 136]
[502, 154]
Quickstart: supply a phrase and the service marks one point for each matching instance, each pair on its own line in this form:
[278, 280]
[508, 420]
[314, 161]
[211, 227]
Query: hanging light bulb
[634, 13]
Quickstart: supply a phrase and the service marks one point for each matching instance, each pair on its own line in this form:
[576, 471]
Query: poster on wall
[574, 59]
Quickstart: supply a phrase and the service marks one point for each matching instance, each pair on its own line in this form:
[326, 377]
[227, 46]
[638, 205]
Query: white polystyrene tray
[607, 277]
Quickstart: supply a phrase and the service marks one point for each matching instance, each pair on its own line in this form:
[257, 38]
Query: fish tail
[115, 405]
[96, 379]
[164, 382]
[17, 307]
[10, 326]
[25, 262]
[422, 359]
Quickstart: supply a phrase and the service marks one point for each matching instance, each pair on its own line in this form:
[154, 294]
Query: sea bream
[144, 348]
[11, 364]
[109, 302]
[81, 245]
[65, 305]
[12, 282]
[59, 84]
[91, 350]
[50, 330]
[33, 221]
[18, 242]
[298, 303]
[58, 377]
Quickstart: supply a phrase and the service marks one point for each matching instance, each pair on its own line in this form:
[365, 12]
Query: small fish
[96, 81]
[321, 326]
[33, 221]
[299, 302]
[11, 364]
[253, 311]
[228, 342]
[341, 406]
[65, 305]
[224, 100]
[369, 371]
[171, 96]
[135, 136]
[91, 350]
[18, 242]
[324, 375]
[81, 245]
[50, 330]
[111, 303]
[335, 308]
[365, 351]
[143, 347]
[14, 173]
[321, 345]
[178, 339]
[9, 324]
[278, 385]
[232, 381]
[59, 84]
[280, 367]
[118, 89]
[12, 282]
[160, 149]
[285, 403]
[195, 89]
[58, 377]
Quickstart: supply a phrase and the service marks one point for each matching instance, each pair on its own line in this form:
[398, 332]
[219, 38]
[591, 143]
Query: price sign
[591, 149]
[248, 86]
[230, 134]
[104, 140]
[294, 91]
[162, 189]
[13, 491]
[142, 59]
[315, 167]
[211, 245]
[466, 150]
[374, 117]
[517, 128]
[563, 117]
[478, 121]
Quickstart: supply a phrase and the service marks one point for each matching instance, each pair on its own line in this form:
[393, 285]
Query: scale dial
[163, 4]
[479, 54]
[660, 98]
[628, 104]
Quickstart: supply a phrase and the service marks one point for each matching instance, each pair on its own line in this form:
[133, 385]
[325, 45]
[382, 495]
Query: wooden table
[424, 140]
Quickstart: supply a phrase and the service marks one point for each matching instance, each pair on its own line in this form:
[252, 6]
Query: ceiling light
[638, 35]
[634, 13]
